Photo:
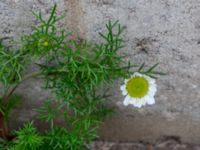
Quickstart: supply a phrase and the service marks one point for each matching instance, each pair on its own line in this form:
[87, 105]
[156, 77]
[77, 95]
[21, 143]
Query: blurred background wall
[164, 31]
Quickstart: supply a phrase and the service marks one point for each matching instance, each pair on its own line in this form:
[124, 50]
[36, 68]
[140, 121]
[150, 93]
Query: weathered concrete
[168, 144]
[165, 31]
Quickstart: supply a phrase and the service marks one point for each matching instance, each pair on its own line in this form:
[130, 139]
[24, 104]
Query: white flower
[139, 90]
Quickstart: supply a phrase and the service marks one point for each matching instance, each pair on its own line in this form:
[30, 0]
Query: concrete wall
[164, 31]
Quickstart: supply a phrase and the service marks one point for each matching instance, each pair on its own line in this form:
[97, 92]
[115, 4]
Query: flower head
[43, 42]
[139, 90]
[46, 43]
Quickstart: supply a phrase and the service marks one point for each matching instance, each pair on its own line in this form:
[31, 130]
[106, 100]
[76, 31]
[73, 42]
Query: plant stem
[6, 97]
[52, 123]
[11, 90]
[3, 130]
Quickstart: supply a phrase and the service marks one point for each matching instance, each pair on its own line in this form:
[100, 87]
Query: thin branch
[12, 89]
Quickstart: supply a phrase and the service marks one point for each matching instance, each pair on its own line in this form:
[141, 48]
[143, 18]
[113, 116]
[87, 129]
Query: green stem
[13, 88]
[7, 96]
[52, 123]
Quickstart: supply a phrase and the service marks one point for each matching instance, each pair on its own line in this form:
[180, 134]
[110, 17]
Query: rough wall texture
[165, 31]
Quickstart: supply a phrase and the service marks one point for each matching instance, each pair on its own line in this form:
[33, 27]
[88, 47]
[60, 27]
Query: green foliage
[48, 113]
[56, 139]
[6, 109]
[27, 138]
[12, 66]
[74, 71]
[45, 39]
[151, 72]
[4, 144]
[59, 138]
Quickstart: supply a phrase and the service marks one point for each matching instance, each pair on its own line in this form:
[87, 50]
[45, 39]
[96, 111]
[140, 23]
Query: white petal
[133, 100]
[126, 101]
[150, 100]
[138, 105]
[125, 81]
[136, 102]
[143, 101]
[152, 90]
[137, 74]
[123, 89]
[153, 81]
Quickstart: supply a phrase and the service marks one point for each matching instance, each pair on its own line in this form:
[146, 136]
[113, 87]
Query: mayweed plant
[75, 71]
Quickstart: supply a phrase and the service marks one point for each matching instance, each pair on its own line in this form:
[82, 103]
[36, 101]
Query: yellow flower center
[137, 87]
[46, 43]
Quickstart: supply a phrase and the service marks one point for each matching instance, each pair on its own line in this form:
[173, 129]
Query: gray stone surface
[162, 145]
[164, 31]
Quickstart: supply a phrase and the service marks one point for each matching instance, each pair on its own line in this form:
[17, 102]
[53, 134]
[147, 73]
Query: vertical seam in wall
[75, 18]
